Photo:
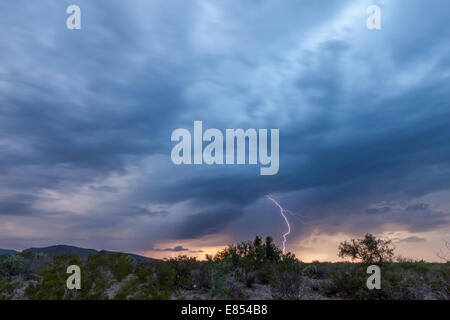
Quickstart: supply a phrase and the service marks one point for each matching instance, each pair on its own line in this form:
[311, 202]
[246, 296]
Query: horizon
[181, 251]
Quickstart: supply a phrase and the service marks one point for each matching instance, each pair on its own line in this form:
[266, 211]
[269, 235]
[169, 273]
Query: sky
[86, 118]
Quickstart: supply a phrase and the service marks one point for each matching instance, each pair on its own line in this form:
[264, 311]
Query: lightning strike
[282, 211]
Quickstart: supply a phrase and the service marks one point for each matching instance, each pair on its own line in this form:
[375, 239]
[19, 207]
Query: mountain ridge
[8, 251]
[68, 249]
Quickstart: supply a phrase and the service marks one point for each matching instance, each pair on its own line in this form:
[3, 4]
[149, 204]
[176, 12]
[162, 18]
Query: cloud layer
[86, 117]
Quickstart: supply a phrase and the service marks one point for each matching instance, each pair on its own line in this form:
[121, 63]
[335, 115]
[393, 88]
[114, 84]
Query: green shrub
[129, 289]
[12, 265]
[310, 270]
[200, 276]
[51, 287]
[351, 283]
[218, 272]
[265, 273]
[183, 267]
[286, 281]
[7, 289]
[120, 265]
[143, 269]
[165, 276]
[346, 283]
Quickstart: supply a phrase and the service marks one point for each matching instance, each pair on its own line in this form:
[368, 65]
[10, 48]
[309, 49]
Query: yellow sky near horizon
[318, 247]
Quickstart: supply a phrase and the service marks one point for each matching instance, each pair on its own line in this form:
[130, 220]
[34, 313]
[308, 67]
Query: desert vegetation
[255, 269]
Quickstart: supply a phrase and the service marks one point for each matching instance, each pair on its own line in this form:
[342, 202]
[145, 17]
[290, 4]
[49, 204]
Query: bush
[346, 283]
[200, 276]
[7, 289]
[165, 275]
[128, 289]
[285, 282]
[310, 270]
[250, 256]
[12, 265]
[183, 267]
[264, 274]
[121, 265]
[369, 250]
[218, 271]
[143, 269]
[52, 286]
[163, 286]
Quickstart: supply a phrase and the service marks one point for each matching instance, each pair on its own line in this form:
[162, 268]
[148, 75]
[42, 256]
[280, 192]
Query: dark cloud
[17, 204]
[413, 239]
[378, 210]
[363, 116]
[136, 210]
[104, 189]
[174, 249]
[205, 223]
[417, 206]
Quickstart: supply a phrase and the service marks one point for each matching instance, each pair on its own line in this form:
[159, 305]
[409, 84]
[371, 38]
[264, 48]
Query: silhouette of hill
[65, 249]
[7, 251]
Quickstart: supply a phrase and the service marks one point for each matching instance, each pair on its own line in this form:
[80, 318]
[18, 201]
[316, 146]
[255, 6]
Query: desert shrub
[163, 285]
[153, 292]
[120, 265]
[368, 250]
[66, 259]
[264, 274]
[200, 276]
[310, 270]
[218, 271]
[7, 289]
[249, 255]
[143, 269]
[94, 284]
[285, 281]
[27, 255]
[12, 265]
[51, 287]
[129, 290]
[94, 279]
[346, 283]
[324, 269]
[51, 279]
[165, 275]
[239, 274]
[397, 283]
[183, 267]
[400, 284]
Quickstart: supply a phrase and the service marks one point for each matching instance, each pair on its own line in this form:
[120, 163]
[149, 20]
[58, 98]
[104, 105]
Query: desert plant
[12, 265]
[121, 265]
[7, 289]
[286, 281]
[368, 250]
[183, 266]
[218, 271]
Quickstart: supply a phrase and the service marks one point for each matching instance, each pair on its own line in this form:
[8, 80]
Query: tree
[368, 250]
[272, 252]
[445, 256]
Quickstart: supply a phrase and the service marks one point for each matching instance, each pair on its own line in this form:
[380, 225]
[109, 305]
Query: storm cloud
[86, 117]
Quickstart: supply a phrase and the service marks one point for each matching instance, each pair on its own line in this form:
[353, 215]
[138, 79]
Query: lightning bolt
[282, 211]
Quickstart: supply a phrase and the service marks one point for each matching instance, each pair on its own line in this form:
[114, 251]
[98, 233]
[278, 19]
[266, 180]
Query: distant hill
[6, 251]
[62, 249]
[65, 249]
